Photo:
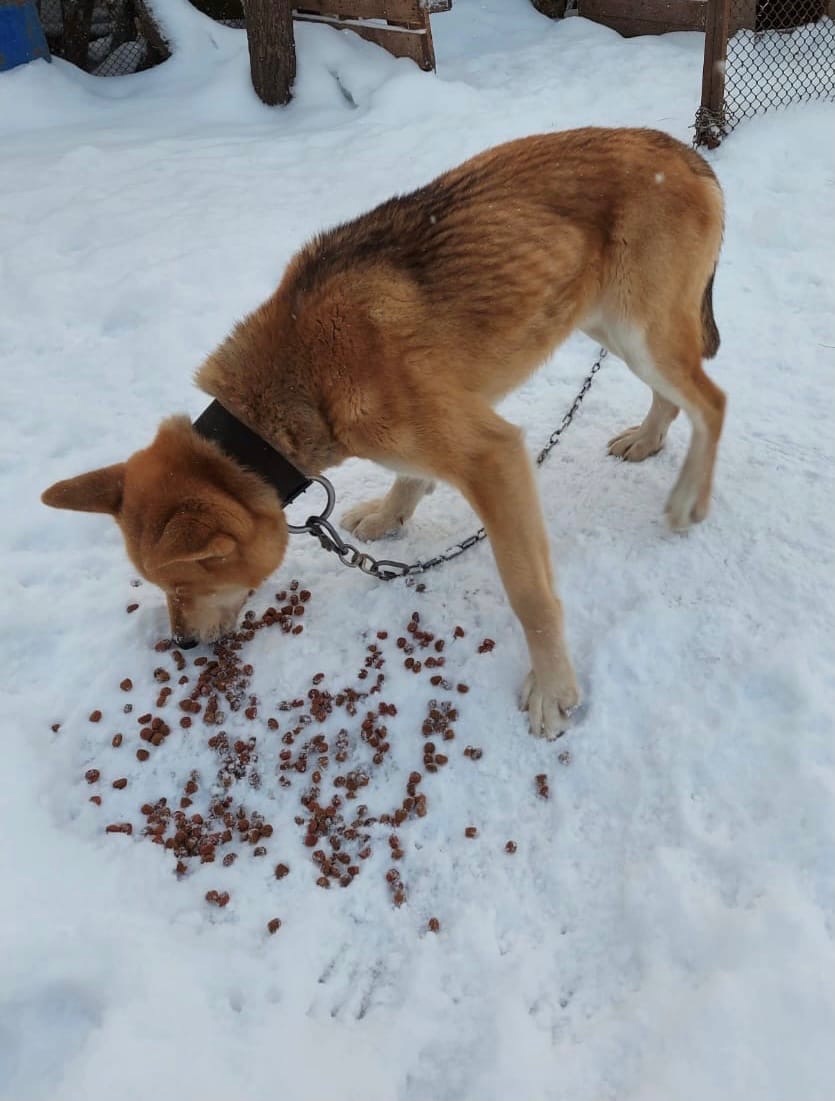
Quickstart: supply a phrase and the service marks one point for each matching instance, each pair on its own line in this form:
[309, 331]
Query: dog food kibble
[96, 799]
[542, 789]
[56, 727]
[95, 716]
[473, 752]
[510, 847]
[92, 775]
[131, 608]
[486, 646]
[218, 898]
[433, 925]
[214, 818]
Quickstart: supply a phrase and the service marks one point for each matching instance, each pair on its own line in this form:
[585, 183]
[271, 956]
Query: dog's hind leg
[669, 360]
[647, 438]
[385, 515]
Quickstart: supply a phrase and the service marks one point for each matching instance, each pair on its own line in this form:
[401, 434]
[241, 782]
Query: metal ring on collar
[296, 529]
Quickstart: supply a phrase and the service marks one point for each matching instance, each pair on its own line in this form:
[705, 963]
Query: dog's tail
[710, 334]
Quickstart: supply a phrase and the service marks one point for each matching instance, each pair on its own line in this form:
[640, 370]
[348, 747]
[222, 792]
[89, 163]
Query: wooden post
[272, 49]
[709, 122]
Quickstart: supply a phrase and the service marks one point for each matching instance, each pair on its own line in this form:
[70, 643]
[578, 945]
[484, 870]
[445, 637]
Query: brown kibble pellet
[281, 870]
[462, 688]
[128, 708]
[458, 632]
[323, 881]
[510, 847]
[142, 754]
[433, 925]
[120, 783]
[272, 724]
[126, 684]
[471, 831]
[131, 608]
[117, 741]
[95, 716]
[273, 925]
[163, 645]
[92, 775]
[119, 827]
[56, 727]
[229, 859]
[96, 799]
[185, 722]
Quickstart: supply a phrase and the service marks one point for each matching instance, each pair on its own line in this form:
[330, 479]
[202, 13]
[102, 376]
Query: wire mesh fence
[103, 37]
[762, 54]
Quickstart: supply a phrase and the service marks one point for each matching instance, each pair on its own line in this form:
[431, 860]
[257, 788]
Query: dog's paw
[549, 712]
[369, 521]
[635, 444]
[685, 506]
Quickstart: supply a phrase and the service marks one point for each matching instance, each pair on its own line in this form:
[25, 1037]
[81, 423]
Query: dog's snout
[186, 642]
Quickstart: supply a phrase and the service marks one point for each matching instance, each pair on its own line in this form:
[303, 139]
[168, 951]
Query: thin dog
[392, 337]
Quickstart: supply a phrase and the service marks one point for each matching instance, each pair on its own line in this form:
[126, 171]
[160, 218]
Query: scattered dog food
[542, 789]
[510, 847]
[323, 746]
[433, 925]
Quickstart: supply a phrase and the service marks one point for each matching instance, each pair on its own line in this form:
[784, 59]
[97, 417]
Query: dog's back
[503, 256]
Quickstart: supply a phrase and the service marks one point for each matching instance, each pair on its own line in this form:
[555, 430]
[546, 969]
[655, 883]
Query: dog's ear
[188, 539]
[96, 491]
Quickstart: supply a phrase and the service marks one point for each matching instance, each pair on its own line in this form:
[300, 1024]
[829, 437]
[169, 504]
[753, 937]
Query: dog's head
[196, 524]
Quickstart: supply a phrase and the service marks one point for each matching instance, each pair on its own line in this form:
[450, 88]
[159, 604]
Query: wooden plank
[416, 46]
[394, 11]
[743, 14]
[410, 40]
[634, 17]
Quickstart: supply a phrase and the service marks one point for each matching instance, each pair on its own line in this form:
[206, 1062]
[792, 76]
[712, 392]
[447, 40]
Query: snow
[665, 927]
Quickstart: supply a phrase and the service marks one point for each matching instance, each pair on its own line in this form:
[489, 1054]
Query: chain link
[387, 570]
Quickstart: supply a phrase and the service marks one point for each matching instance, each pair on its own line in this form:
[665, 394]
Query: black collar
[251, 451]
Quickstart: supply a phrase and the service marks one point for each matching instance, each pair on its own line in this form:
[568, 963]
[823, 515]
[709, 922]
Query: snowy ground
[664, 929]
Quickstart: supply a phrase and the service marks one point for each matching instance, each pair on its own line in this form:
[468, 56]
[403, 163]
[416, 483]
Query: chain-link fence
[103, 37]
[761, 54]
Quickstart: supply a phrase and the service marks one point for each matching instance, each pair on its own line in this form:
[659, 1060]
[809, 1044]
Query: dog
[393, 336]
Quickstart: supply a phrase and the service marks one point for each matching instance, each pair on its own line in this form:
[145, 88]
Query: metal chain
[387, 570]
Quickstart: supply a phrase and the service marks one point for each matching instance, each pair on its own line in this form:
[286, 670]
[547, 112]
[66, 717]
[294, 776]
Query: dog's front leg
[495, 475]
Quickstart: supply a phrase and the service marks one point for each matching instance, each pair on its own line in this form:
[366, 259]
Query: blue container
[21, 34]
